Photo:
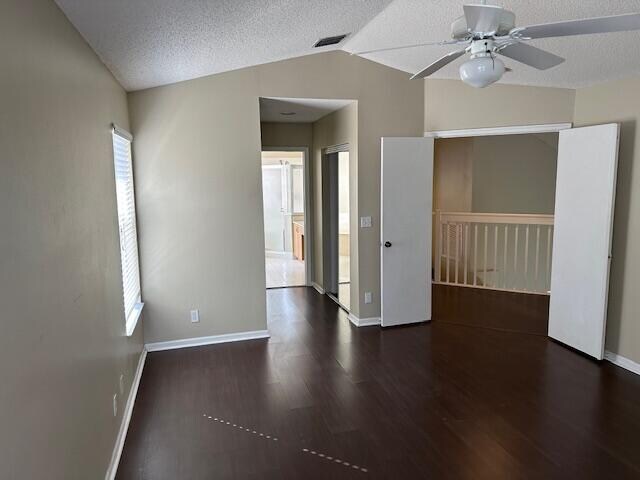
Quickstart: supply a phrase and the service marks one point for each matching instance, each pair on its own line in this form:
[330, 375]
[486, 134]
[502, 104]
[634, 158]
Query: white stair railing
[496, 251]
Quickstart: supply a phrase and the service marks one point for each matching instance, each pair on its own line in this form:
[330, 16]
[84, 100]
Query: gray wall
[619, 102]
[63, 344]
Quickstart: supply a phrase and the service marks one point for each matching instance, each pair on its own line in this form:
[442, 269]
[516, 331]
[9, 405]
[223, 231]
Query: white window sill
[133, 318]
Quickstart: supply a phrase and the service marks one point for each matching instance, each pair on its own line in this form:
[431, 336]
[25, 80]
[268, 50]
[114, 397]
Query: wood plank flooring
[475, 307]
[432, 401]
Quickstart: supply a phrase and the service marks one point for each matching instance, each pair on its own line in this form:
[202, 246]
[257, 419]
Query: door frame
[324, 153]
[507, 130]
[308, 233]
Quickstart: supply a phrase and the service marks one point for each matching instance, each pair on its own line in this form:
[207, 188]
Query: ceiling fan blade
[446, 42]
[483, 18]
[438, 64]
[530, 55]
[617, 23]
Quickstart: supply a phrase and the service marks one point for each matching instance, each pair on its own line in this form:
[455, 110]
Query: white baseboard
[320, 290]
[364, 322]
[200, 341]
[126, 418]
[623, 362]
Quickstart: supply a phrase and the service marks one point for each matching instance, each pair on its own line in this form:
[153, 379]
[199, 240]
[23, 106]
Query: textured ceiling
[147, 43]
[306, 110]
[589, 59]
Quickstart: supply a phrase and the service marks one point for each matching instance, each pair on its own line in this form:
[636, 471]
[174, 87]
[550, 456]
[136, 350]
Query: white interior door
[406, 218]
[585, 193]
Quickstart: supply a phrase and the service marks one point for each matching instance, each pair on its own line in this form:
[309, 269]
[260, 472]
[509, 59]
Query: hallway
[323, 399]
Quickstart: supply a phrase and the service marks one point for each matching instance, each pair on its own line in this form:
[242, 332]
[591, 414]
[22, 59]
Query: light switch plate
[195, 316]
[365, 222]
[367, 297]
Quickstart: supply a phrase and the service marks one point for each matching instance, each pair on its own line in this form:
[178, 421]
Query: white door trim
[509, 130]
[308, 237]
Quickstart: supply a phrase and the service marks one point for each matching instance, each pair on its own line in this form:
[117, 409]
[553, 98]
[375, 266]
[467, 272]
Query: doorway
[337, 237]
[581, 237]
[284, 208]
[493, 222]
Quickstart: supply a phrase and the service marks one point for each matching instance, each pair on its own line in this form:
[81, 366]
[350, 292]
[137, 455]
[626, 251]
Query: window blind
[127, 223]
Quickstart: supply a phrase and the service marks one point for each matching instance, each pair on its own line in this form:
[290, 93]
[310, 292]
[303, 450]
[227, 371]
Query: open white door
[406, 218]
[585, 193]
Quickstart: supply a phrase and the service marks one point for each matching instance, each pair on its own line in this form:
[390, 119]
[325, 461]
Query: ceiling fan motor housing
[460, 30]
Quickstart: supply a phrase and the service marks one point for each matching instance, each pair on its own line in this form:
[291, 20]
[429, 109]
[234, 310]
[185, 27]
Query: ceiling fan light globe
[480, 72]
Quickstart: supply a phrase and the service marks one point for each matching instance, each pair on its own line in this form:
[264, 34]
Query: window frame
[133, 311]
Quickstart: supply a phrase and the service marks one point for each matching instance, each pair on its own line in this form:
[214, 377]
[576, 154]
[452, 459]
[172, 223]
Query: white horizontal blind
[126, 221]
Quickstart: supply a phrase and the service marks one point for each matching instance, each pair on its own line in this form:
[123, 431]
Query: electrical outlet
[365, 222]
[122, 384]
[195, 316]
[115, 404]
[367, 297]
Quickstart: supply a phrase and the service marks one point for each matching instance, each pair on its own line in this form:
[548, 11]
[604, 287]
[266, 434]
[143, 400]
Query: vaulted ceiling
[148, 43]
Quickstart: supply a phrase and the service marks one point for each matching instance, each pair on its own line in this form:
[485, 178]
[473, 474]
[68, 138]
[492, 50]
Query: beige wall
[337, 128]
[496, 174]
[62, 346]
[198, 175]
[618, 102]
[286, 134]
[452, 174]
[515, 173]
[198, 170]
[452, 105]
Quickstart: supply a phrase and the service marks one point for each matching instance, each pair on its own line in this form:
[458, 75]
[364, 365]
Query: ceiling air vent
[325, 42]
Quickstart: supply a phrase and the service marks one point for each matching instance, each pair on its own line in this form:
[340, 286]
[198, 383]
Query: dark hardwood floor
[432, 401]
[475, 307]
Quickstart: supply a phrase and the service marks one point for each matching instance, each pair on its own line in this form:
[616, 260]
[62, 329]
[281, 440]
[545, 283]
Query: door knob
[387, 244]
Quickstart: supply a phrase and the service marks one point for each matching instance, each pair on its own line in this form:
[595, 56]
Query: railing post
[438, 249]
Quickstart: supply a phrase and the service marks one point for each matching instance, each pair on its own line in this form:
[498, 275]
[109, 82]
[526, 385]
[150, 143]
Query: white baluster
[448, 235]
[506, 249]
[475, 254]
[526, 257]
[486, 241]
[495, 257]
[466, 251]
[515, 259]
[458, 229]
[537, 253]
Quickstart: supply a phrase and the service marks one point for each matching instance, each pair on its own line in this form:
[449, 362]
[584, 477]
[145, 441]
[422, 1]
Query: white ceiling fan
[489, 30]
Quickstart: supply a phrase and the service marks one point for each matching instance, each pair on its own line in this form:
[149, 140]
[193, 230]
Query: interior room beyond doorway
[284, 226]
[494, 202]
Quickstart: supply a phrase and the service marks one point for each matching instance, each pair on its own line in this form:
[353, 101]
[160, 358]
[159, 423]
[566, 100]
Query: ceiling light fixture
[483, 68]
[287, 114]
